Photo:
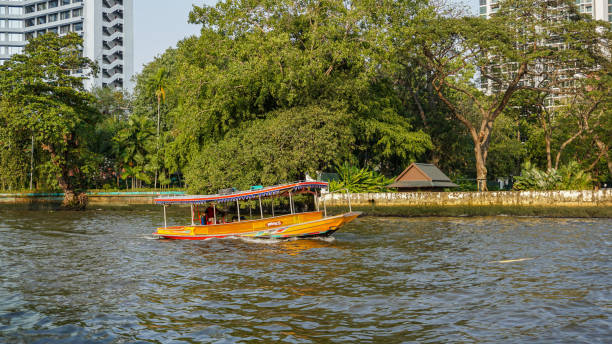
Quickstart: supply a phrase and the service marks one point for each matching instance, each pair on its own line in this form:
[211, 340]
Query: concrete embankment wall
[97, 198]
[497, 198]
[511, 203]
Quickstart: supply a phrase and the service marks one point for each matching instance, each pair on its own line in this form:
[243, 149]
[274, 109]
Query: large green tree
[281, 148]
[254, 60]
[40, 96]
[478, 64]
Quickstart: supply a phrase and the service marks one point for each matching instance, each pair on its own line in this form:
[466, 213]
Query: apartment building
[105, 25]
[598, 9]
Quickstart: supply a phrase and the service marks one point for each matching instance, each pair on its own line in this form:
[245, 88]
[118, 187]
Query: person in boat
[209, 216]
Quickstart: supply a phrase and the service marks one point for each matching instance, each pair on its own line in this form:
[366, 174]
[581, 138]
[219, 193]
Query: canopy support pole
[291, 203]
[215, 212]
[192, 223]
[316, 200]
[260, 207]
[238, 207]
[272, 207]
[165, 223]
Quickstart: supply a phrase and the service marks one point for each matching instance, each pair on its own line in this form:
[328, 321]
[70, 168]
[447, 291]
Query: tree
[256, 58]
[159, 82]
[134, 144]
[271, 151]
[478, 64]
[40, 96]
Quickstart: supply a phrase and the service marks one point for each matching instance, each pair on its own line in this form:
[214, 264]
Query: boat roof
[241, 195]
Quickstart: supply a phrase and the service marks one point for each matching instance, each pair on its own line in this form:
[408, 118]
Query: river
[99, 277]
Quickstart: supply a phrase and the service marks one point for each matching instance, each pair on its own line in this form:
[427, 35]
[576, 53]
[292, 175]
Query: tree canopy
[271, 91]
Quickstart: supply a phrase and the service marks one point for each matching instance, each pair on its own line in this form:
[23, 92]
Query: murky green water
[98, 277]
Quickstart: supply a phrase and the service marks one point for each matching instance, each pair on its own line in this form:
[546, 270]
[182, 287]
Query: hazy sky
[160, 24]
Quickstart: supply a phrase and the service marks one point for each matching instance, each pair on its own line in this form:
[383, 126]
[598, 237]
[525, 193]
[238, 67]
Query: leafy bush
[357, 180]
[568, 177]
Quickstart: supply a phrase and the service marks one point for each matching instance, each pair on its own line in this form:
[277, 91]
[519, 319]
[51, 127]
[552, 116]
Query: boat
[212, 223]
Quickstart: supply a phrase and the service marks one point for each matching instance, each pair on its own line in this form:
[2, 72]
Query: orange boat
[294, 225]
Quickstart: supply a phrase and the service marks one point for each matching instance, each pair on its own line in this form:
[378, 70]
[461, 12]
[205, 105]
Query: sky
[160, 24]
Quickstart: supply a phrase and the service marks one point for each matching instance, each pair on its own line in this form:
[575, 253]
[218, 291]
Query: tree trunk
[547, 140]
[157, 148]
[604, 152]
[562, 148]
[481, 167]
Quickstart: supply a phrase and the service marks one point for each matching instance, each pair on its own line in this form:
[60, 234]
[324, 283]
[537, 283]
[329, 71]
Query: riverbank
[472, 211]
[578, 204]
[128, 198]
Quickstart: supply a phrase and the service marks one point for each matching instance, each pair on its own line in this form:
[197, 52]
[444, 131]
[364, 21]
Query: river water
[99, 277]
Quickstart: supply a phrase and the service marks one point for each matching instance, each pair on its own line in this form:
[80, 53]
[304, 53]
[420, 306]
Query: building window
[52, 17]
[41, 20]
[65, 15]
[30, 9]
[65, 29]
[14, 37]
[41, 7]
[14, 11]
[77, 12]
[29, 35]
[65, 2]
[53, 4]
[14, 50]
[15, 24]
[53, 29]
[41, 32]
[77, 27]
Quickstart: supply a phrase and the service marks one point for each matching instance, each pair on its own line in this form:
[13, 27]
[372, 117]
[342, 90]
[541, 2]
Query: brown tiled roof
[422, 184]
[419, 175]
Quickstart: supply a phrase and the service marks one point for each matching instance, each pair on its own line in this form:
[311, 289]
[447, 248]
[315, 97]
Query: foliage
[568, 177]
[254, 60]
[356, 180]
[279, 149]
[272, 90]
[39, 98]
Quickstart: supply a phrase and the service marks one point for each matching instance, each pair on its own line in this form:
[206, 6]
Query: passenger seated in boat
[209, 215]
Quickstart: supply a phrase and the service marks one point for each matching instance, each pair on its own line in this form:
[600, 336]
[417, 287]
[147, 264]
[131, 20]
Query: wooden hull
[301, 225]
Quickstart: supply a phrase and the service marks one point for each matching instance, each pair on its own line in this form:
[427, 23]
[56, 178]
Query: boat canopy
[242, 195]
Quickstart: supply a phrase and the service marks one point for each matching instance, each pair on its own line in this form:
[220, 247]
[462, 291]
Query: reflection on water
[97, 277]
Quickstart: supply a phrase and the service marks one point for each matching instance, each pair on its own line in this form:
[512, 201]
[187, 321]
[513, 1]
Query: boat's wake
[276, 241]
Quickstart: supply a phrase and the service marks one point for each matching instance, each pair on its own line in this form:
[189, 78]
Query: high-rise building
[105, 25]
[598, 9]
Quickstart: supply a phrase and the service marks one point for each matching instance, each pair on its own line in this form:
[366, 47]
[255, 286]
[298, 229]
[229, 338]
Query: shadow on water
[96, 277]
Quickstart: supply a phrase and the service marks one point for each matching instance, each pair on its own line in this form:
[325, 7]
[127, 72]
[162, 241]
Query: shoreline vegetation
[275, 91]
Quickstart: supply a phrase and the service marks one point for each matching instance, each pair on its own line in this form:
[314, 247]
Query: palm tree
[134, 143]
[159, 81]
